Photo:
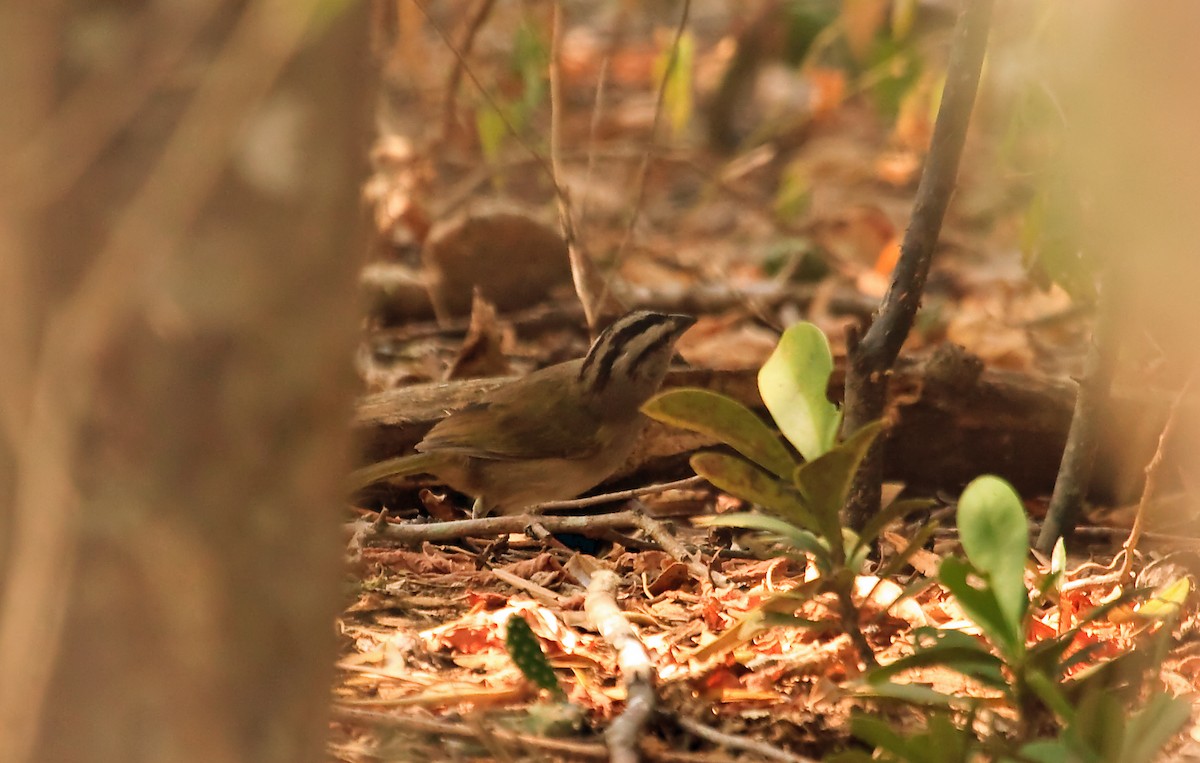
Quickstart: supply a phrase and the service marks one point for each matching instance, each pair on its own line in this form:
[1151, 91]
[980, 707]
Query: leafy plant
[1033, 681]
[801, 500]
[942, 741]
[1100, 731]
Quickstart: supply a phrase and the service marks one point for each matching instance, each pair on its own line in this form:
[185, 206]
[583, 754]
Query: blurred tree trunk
[178, 238]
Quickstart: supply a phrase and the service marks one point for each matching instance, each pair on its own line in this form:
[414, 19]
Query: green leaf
[951, 649]
[825, 482]
[947, 742]
[880, 735]
[850, 756]
[795, 621]
[982, 607]
[795, 193]
[798, 537]
[1156, 724]
[1050, 693]
[1045, 751]
[1098, 728]
[492, 131]
[526, 651]
[895, 510]
[674, 69]
[741, 478]
[530, 57]
[915, 694]
[793, 384]
[995, 535]
[1167, 602]
[726, 420]
[1058, 557]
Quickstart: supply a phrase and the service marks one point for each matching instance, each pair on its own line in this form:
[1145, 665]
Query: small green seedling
[799, 500]
[526, 651]
[1036, 682]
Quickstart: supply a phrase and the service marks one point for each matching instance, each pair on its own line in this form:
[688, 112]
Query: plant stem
[871, 359]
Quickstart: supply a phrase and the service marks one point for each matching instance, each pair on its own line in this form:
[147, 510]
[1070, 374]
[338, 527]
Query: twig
[593, 128]
[583, 270]
[739, 743]
[539, 531]
[570, 750]
[620, 495]
[1079, 454]
[1153, 469]
[487, 96]
[871, 359]
[575, 750]
[541, 593]
[463, 528]
[672, 546]
[637, 672]
[852, 625]
[450, 104]
[644, 169]
[439, 532]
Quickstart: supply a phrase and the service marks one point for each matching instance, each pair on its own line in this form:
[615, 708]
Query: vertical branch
[450, 104]
[583, 271]
[593, 129]
[644, 169]
[872, 356]
[1150, 488]
[155, 440]
[1075, 469]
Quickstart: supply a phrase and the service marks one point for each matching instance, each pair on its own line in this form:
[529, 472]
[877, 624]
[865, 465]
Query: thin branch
[450, 104]
[539, 592]
[516, 523]
[593, 129]
[583, 270]
[487, 96]
[637, 670]
[1153, 469]
[644, 170]
[871, 359]
[152, 225]
[440, 532]
[733, 742]
[620, 495]
[1079, 454]
[651, 748]
[444, 729]
[669, 543]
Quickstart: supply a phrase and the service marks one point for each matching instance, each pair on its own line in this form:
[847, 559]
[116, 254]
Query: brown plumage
[554, 433]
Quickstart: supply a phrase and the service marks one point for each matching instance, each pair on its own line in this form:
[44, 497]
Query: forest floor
[801, 222]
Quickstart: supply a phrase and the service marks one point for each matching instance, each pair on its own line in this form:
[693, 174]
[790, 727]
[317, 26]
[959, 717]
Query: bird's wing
[532, 419]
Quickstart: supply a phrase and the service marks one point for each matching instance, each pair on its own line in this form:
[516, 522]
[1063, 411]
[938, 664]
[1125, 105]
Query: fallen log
[950, 421]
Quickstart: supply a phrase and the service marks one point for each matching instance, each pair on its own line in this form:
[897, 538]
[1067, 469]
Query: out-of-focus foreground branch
[175, 288]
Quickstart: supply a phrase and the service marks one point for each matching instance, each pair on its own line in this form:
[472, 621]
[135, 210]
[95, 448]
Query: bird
[552, 434]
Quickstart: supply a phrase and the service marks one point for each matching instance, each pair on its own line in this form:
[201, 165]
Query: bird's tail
[401, 466]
